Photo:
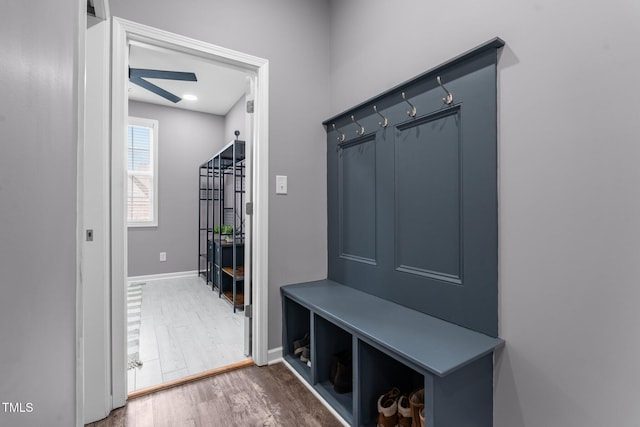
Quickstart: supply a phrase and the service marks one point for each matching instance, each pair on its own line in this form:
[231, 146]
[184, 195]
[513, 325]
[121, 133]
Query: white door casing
[123, 32]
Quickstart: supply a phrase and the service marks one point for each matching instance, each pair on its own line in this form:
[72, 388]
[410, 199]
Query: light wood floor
[253, 396]
[185, 329]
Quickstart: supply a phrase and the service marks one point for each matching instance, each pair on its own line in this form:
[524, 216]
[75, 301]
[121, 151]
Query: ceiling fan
[138, 75]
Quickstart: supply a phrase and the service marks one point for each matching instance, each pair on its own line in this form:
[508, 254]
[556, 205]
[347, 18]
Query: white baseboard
[316, 394]
[177, 275]
[274, 355]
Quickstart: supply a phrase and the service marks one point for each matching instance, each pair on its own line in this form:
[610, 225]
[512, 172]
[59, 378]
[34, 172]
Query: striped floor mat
[134, 304]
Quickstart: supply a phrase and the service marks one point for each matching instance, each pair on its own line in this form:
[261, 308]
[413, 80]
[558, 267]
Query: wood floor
[185, 328]
[252, 396]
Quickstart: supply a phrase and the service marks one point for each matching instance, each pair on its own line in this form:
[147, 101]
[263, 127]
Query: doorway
[124, 34]
[179, 320]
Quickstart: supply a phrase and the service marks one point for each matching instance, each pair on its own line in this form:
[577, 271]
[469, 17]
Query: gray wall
[236, 120]
[186, 139]
[38, 154]
[293, 36]
[569, 205]
[570, 218]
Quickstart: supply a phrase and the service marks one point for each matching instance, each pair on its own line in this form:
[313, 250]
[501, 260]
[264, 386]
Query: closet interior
[221, 230]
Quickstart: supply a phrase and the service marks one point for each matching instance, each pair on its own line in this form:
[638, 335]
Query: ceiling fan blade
[161, 74]
[155, 89]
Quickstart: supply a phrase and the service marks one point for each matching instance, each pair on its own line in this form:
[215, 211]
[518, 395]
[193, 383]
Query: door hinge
[249, 208]
[249, 107]
[248, 311]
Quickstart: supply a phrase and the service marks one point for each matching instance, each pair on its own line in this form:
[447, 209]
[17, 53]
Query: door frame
[124, 31]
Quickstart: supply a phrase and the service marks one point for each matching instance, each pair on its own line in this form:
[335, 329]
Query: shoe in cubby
[305, 353]
[300, 344]
[343, 379]
[404, 412]
[416, 401]
[388, 409]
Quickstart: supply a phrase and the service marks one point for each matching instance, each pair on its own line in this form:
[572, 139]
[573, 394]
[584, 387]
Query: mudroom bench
[391, 346]
[411, 296]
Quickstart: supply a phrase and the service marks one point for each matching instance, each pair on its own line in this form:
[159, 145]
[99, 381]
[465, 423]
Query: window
[142, 172]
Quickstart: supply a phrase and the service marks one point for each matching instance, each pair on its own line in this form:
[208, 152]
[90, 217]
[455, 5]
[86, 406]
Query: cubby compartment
[333, 350]
[296, 325]
[378, 373]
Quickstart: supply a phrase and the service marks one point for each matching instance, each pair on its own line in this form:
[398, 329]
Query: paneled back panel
[412, 207]
[427, 204]
[357, 201]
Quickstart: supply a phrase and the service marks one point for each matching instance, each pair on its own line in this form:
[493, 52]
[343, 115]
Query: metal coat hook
[358, 132]
[342, 136]
[412, 112]
[449, 98]
[385, 122]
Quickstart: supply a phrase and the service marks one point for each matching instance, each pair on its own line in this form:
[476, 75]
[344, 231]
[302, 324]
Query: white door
[95, 216]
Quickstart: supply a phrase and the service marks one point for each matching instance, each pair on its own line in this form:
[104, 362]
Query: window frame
[153, 124]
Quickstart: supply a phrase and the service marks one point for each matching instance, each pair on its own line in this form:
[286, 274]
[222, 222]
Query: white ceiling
[218, 88]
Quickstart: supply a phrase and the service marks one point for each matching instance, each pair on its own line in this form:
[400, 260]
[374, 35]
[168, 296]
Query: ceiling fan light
[190, 97]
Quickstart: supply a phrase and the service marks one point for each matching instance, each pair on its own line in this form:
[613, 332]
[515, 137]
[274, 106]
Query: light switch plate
[281, 184]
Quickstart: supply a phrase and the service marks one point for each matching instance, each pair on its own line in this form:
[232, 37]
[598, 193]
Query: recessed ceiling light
[190, 97]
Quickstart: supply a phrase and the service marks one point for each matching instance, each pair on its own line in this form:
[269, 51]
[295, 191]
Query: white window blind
[142, 168]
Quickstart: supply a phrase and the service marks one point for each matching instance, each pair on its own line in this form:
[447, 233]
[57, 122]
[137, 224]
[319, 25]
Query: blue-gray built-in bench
[412, 249]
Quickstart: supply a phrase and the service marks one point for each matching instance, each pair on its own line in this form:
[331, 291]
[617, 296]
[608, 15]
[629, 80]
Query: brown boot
[343, 382]
[404, 411]
[388, 409]
[416, 401]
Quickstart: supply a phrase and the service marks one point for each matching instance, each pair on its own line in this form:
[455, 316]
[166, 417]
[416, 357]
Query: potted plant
[227, 231]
